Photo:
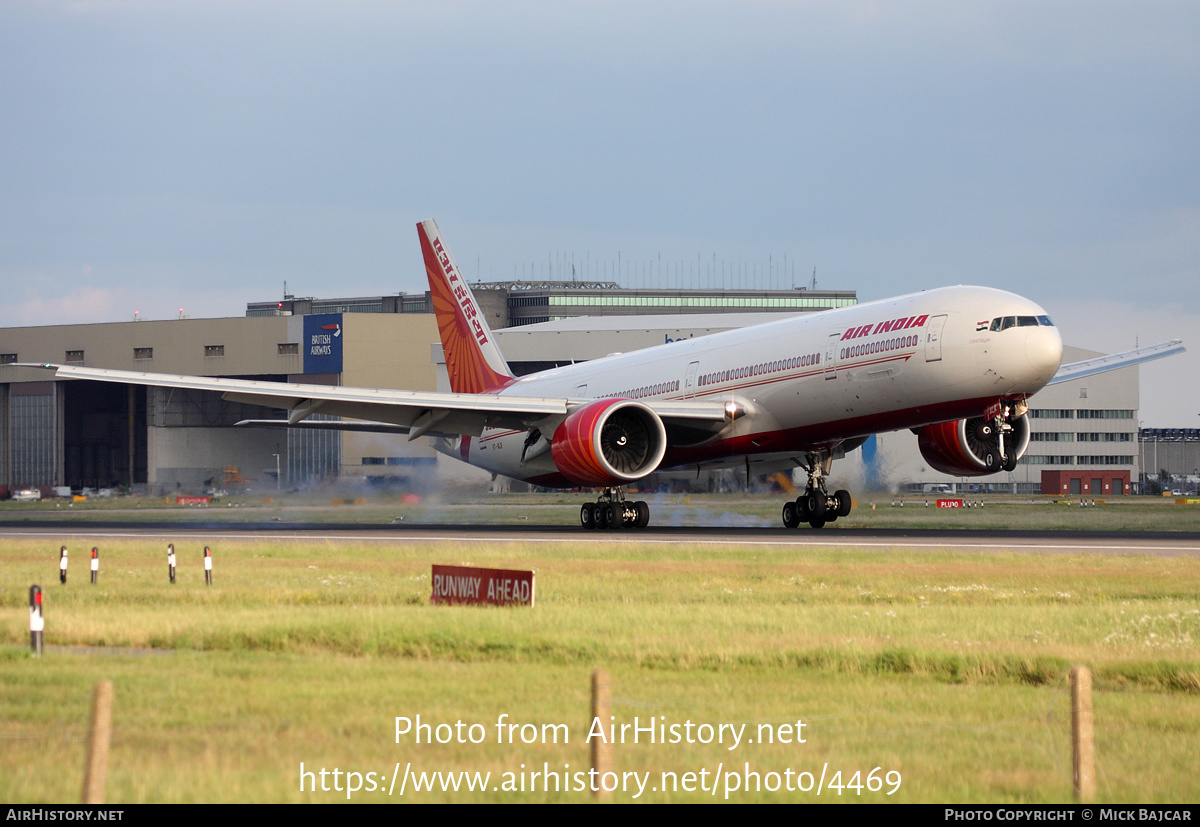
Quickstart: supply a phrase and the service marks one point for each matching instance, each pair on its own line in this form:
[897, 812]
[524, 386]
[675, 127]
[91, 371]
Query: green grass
[947, 667]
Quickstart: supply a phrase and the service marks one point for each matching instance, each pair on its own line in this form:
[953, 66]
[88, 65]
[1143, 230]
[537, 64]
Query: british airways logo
[461, 293]
[323, 343]
[885, 327]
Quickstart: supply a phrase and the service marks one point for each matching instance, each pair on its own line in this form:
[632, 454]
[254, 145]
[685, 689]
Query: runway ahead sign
[496, 587]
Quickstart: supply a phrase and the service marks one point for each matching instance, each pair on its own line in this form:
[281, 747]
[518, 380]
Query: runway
[1153, 543]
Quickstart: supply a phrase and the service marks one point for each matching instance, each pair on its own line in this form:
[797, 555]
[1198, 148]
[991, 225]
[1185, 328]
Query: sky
[199, 155]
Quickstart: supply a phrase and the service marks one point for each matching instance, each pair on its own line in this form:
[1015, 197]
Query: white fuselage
[812, 380]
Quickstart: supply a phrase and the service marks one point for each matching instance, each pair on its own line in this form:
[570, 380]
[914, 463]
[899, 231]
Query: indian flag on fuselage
[473, 361]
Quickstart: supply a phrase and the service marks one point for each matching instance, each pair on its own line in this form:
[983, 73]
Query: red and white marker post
[62, 565]
[207, 566]
[95, 564]
[36, 622]
[171, 561]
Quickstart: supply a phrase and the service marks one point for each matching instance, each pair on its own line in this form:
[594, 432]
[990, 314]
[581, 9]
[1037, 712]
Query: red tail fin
[473, 361]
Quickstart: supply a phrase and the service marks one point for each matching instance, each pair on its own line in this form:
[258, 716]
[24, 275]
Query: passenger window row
[760, 369]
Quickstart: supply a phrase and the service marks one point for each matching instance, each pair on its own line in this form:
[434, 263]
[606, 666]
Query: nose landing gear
[816, 506]
[995, 439]
[612, 510]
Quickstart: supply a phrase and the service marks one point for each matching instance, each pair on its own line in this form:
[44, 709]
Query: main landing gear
[816, 506]
[612, 510]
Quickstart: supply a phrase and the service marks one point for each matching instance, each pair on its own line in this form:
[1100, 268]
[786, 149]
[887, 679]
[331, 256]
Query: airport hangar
[83, 434]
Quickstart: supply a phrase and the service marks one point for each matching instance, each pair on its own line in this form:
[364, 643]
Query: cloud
[79, 306]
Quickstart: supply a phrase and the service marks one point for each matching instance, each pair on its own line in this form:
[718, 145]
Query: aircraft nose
[1043, 352]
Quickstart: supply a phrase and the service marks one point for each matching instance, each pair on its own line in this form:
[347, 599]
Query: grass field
[947, 668]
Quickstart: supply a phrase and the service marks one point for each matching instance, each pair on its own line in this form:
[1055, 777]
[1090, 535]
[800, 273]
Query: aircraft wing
[384, 410]
[1101, 364]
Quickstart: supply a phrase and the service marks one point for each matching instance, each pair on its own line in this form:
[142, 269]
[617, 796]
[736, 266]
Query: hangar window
[1044, 436]
[8, 358]
[214, 350]
[143, 353]
[1105, 414]
[74, 356]
[1052, 413]
[289, 348]
[1035, 459]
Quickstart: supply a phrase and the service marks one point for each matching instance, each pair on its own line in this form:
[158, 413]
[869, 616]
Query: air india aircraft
[955, 365]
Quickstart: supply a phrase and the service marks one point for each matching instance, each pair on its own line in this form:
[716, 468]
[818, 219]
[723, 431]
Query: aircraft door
[933, 339]
[689, 381]
[831, 354]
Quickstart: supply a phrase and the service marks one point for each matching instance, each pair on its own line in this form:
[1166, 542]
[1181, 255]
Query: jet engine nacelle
[971, 448]
[609, 442]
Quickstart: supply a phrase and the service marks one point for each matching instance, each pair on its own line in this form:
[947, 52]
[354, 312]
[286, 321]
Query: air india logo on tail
[465, 300]
[473, 362]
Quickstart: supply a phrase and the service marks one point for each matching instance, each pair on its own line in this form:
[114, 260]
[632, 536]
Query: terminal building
[1171, 458]
[84, 434]
[98, 434]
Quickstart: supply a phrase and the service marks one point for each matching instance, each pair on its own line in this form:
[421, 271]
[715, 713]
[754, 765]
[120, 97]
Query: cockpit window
[1005, 322]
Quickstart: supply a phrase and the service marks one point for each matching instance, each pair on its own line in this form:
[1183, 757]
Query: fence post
[601, 749]
[95, 771]
[1083, 743]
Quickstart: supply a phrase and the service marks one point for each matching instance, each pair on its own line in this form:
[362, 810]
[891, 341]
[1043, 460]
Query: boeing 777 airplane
[955, 365]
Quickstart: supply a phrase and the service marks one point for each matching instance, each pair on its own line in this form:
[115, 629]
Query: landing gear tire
[844, 502]
[992, 460]
[643, 514]
[802, 508]
[814, 504]
[611, 519]
[587, 516]
[791, 518]
[1010, 464]
[817, 522]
